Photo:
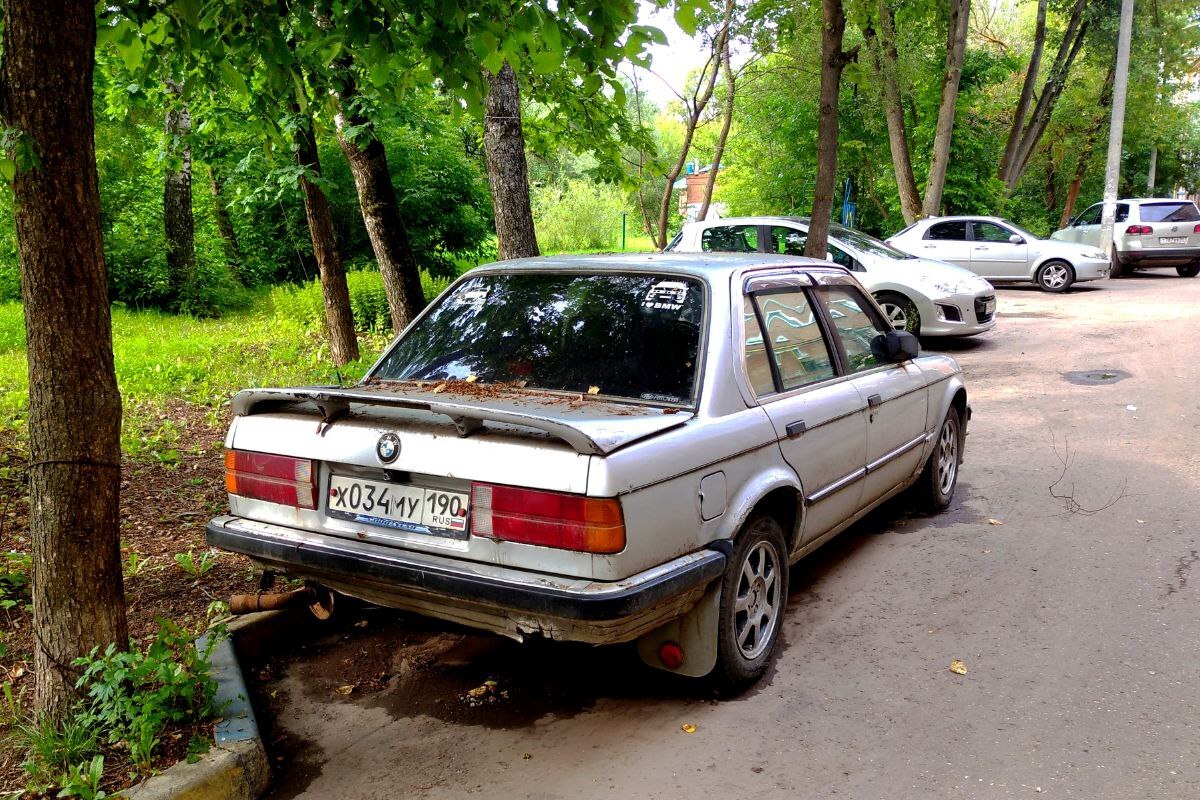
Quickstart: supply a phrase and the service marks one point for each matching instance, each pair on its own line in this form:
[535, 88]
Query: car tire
[935, 488]
[1115, 269]
[753, 598]
[1055, 276]
[901, 312]
[1189, 270]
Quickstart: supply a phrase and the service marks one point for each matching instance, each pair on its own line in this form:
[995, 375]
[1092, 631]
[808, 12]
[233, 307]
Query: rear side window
[948, 231]
[730, 239]
[758, 361]
[630, 336]
[1090, 217]
[799, 349]
[788, 241]
[1182, 211]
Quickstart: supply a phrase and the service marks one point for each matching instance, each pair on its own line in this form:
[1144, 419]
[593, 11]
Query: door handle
[794, 429]
[981, 247]
[874, 401]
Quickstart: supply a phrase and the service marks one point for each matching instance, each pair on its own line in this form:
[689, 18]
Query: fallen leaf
[347, 689]
[362, 623]
[688, 727]
[527, 756]
[995, 522]
[441, 387]
[1141, 522]
[593, 390]
[471, 379]
[985, 552]
[958, 667]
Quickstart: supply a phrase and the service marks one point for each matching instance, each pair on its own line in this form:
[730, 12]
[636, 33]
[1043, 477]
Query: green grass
[161, 357]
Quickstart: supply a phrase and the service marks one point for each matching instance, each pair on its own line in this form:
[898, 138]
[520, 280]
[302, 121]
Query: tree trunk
[833, 61]
[508, 174]
[884, 56]
[343, 344]
[229, 240]
[647, 223]
[177, 199]
[726, 122]
[704, 92]
[956, 45]
[74, 405]
[381, 216]
[1055, 81]
[1031, 74]
[1085, 155]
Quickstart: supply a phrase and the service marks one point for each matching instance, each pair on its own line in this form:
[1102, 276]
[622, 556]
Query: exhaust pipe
[318, 599]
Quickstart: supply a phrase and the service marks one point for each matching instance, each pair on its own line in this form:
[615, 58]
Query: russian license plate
[1172, 240]
[395, 505]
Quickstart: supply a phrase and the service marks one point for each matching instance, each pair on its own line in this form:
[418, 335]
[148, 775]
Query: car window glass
[758, 365]
[950, 231]
[1091, 216]
[635, 336]
[797, 345]
[788, 241]
[1122, 213]
[855, 326]
[1182, 211]
[730, 239]
[991, 232]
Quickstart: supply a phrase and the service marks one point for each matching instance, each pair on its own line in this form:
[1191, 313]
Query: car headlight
[955, 287]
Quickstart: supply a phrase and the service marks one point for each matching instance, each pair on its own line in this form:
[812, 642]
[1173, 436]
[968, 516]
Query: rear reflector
[1138, 230]
[275, 479]
[550, 519]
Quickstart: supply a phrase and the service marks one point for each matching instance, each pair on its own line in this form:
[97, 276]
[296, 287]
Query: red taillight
[1138, 230]
[276, 479]
[550, 519]
[1197, 228]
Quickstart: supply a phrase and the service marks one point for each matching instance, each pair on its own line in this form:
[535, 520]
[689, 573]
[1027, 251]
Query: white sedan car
[921, 296]
[998, 250]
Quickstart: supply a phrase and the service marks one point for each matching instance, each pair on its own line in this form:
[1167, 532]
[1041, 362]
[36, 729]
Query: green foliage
[83, 780]
[304, 304]
[53, 749]
[131, 696]
[15, 571]
[580, 215]
[196, 567]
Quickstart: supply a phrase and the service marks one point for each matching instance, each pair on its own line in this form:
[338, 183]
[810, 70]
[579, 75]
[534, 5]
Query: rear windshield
[628, 336]
[1183, 211]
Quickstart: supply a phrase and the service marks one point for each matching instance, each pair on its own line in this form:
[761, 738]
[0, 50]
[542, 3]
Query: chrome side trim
[836, 486]
[899, 451]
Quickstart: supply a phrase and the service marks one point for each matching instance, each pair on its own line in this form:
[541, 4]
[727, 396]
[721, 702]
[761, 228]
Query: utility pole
[1153, 168]
[1116, 133]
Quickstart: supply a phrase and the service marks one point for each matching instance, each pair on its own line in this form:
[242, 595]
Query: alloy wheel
[757, 602]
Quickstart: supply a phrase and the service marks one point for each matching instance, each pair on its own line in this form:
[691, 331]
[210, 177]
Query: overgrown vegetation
[131, 699]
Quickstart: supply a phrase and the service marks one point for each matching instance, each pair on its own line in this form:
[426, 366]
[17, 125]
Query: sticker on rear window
[666, 295]
[471, 297]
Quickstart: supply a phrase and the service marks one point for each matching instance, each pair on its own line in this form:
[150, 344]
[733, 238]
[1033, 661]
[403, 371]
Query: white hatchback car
[923, 297]
[998, 250]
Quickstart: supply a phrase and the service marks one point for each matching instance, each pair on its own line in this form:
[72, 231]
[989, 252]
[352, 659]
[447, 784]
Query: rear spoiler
[335, 403]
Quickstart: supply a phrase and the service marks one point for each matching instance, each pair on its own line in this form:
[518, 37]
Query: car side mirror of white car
[1015, 239]
[895, 346]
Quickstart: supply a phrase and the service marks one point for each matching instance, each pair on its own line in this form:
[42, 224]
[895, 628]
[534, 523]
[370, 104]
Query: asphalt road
[1062, 576]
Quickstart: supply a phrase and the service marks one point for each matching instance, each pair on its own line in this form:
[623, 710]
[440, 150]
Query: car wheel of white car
[901, 312]
[753, 596]
[1189, 270]
[1055, 276]
[935, 487]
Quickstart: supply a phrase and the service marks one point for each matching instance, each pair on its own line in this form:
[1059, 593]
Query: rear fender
[752, 492]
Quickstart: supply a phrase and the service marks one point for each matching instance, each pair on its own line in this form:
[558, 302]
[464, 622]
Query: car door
[947, 241]
[818, 415]
[790, 240]
[896, 394]
[1085, 228]
[993, 255]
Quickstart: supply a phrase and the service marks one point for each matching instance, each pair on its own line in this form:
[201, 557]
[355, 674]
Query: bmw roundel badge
[388, 448]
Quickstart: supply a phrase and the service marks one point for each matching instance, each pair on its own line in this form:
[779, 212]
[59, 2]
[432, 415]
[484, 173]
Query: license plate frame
[399, 506]
[1172, 240]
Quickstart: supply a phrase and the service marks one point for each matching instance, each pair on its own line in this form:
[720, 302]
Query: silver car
[918, 295]
[1148, 233]
[998, 250]
[601, 449]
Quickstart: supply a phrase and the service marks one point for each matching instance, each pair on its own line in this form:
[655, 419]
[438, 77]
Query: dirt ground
[1061, 577]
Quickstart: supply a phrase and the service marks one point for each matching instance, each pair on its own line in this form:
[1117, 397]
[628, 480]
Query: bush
[582, 215]
[305, 304]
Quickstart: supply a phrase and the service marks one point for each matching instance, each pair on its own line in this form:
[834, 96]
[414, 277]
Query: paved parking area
[1062, 577]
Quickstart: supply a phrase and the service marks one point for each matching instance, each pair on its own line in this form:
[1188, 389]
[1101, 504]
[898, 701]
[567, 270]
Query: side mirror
[895, 346]
[1015, 239]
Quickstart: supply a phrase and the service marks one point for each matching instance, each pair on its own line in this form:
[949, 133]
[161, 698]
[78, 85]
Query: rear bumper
[1159, 256]
[503, 599]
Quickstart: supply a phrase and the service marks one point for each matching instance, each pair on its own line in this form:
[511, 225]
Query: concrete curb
[236, 768]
